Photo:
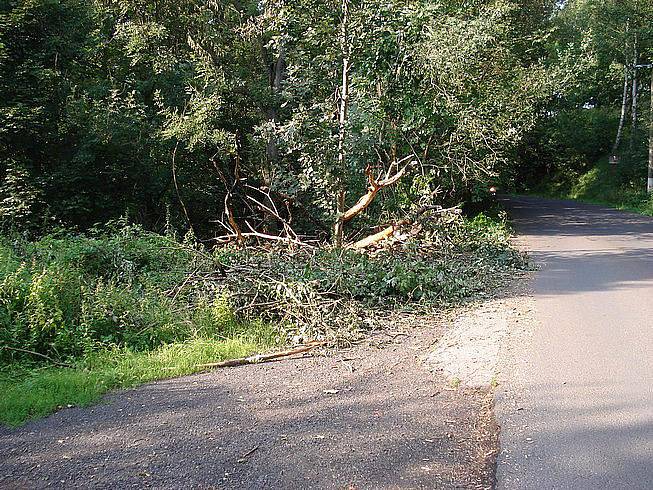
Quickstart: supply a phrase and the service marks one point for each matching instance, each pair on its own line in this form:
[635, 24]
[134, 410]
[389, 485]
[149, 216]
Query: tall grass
[32, 393]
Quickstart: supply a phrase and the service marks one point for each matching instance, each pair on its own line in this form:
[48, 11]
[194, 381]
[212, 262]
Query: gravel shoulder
[382, 414]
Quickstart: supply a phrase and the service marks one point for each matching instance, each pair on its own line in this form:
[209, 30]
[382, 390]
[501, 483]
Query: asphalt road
[367, 417]
[576, 402]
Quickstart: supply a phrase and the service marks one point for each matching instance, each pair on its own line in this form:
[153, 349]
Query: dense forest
[228, 116]
[157, 156]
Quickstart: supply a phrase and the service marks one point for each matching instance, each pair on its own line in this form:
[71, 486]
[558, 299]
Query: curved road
[576, 403]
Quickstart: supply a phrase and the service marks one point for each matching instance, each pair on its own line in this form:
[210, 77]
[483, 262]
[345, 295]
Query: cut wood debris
[244, 457]
[263, 357]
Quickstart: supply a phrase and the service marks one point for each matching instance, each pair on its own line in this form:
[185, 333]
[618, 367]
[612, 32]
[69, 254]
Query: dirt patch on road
[472, 351]
[372, 416]
[469, 351]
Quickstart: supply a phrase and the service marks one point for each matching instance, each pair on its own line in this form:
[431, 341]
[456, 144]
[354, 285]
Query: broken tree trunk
[375, 186]
[390, 230]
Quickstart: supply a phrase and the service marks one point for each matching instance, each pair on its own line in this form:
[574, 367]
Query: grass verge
[621, 188]
[29, 393]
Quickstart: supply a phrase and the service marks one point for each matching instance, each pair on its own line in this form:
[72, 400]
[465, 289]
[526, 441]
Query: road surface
[367, 417]
[576, 402]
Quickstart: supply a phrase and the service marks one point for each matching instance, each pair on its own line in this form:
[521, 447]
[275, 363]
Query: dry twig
[26, 351]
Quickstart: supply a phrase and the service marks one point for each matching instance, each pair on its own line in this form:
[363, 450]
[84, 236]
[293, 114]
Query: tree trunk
[276, 67]
[649, 185]
[633, 130]
[338, 229]
[277, 73]
[622, 119]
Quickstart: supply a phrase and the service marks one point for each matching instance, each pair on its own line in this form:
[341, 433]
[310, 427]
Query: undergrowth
[121, 306]
[621, 187]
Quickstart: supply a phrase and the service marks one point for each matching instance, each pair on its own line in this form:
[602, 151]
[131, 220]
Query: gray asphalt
[576, 404]
[367, 417]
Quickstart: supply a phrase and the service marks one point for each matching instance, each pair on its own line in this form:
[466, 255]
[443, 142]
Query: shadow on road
[545, 217]
[589, 435]
[584, 376]
[594, 270]
[583, 247]
[390, 424]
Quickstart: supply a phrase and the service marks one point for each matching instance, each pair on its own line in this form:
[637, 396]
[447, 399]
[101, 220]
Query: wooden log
[376, 238]
[389, 231]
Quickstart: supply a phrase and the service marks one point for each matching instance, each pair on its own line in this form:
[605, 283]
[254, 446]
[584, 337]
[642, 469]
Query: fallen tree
[375, 184]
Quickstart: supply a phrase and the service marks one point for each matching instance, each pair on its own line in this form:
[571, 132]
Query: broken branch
[38, 354]
[373, 189]
[390, 230]
[376, 237]
[262, 357]
[265, 236]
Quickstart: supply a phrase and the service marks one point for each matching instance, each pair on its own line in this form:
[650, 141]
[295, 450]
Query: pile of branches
[325, 293]
[276, 287]
[267, 215]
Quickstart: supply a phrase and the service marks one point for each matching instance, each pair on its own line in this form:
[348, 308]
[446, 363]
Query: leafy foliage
[603, 184]
[594, 45]
[156, 111]
[65, 297]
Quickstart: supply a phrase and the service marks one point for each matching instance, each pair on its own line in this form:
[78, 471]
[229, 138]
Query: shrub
[66, 296]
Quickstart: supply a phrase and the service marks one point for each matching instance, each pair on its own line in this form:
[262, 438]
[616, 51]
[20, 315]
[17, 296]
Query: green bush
[124, 307]
[66, 296]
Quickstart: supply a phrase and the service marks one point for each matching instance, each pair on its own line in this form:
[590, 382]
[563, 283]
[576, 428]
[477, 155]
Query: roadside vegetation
[594, 144]
[183, 182]
[81, 314]
[621, 187]
[113, 308]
